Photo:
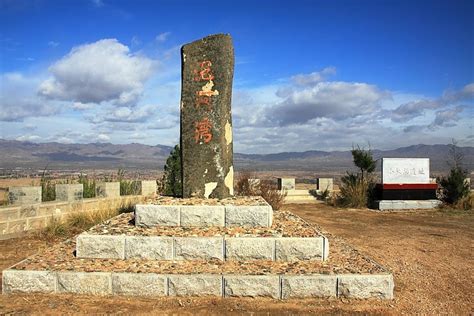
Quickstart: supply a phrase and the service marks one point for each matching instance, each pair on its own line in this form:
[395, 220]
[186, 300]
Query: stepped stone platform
[346, 273]
[288, 239]
[284, 257]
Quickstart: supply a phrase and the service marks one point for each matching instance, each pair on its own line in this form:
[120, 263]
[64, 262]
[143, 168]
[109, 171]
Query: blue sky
[309, 75]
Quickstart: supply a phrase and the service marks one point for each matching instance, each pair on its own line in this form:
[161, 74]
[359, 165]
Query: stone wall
[17, 219]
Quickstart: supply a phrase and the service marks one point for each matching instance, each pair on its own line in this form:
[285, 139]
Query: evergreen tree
[454, 187]
[173, 174]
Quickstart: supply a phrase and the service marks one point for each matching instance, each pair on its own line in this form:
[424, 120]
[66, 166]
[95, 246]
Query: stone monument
[206, 123]
[406, 184]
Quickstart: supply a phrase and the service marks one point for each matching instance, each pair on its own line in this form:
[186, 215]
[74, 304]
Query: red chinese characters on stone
[204, 73]
[203, 131]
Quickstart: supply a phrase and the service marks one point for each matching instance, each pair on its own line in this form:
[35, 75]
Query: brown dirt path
[430, 254]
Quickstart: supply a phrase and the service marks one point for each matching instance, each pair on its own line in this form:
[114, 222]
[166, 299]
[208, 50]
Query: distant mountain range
[137, 156]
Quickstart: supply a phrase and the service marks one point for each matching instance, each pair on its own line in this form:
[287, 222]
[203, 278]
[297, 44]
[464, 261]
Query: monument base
[391, 205]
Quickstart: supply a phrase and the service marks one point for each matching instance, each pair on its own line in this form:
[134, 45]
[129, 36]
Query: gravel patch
[285, 224]
[236, 200]
[342, 259]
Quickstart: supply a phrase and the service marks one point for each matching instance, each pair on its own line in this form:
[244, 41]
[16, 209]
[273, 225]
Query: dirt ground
[430, 254]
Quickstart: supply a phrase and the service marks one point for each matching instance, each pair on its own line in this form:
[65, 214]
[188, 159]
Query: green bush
[128, 187]
[172, 177]
[48, 189]
[357, 188]
[88, 186]
[454, 187]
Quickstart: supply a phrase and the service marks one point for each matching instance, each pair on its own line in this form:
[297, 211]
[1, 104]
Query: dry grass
[78, 222]
[263, 188]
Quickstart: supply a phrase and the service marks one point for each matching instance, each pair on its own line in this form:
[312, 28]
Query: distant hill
[137, 156]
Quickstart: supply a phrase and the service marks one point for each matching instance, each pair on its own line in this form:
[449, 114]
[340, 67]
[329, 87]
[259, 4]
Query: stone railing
[27, 212]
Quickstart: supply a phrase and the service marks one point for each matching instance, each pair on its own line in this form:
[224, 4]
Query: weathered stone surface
[206, 123]
[154, 215]
[100, 246]
[17, 226]
[97, 283]
[28, 281]
[405, 170]
[149, 247]
[386, 205]
[294, 249]
[195, 285]
[253, 285]
[139, 284]
[325, 184]
[286, 184]
[107, 189]
[326, 248]
[200, 215]
[365, 285]
[29, 210]
[24, 195]
[148, 187]
[198, 248]
[248, 248]
[308, 286]
[69, 192]
[248, 215]
[9, 214]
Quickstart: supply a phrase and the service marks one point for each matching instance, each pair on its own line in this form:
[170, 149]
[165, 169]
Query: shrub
[55, 229]
[466, 203]
[357, 188]
[128, 187]
[266, 189]
[48, 190]
[272, 195]
[88, 186]
[454, 187]
[244, 187]
[173, 174]
[322, 195]
[354, 191]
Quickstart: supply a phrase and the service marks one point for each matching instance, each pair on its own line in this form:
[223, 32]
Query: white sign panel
[405, 170]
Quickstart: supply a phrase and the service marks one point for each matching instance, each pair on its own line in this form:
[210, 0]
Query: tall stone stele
[206, 122]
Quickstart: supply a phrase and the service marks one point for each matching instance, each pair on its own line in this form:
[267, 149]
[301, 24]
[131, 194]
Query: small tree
[364, 161]
[454, 187]
[356, 188]
[173, 174]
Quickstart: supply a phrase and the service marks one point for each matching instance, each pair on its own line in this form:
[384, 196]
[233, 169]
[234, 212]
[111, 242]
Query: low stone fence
[26, 211]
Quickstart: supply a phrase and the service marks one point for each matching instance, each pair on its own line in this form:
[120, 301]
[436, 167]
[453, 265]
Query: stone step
[151, 215]
[222, 248]
[298, 193]
[218, 285]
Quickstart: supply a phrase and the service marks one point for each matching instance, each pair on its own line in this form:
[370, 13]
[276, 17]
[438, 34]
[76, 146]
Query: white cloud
[103, 138]
[98, 72]
[446, 117]
[314, 77]
[28, 138]
[336, 100]
[162, 37]
[18, 101]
